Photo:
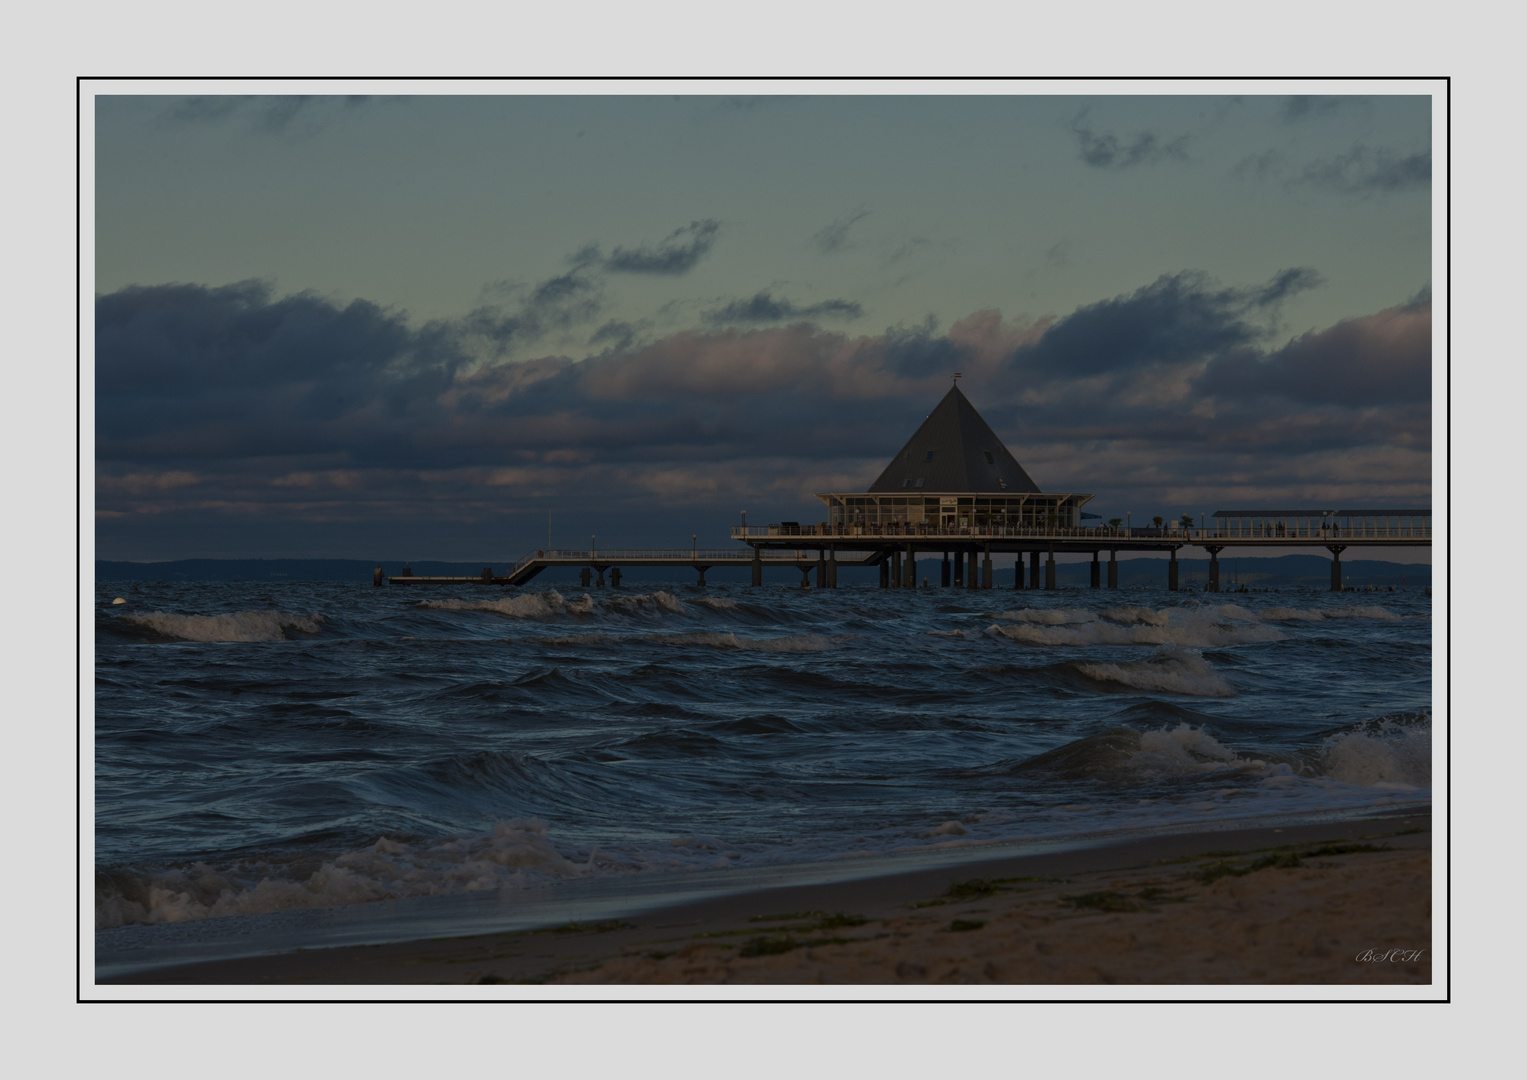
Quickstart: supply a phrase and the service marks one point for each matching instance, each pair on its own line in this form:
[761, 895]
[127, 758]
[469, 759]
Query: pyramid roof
[955, 451]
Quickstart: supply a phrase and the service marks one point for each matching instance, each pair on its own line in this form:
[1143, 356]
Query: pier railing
[1102, 532]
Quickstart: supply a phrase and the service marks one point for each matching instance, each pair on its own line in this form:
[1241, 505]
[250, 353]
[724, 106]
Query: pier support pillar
[1171, 572]
[805, 569]
[1213, 568]
[601, 576]
[986, 570]
[896, 569]
[487, 575]
[909, 581]
[376, 577]
[1049, 568]
[944, 577]
[971, 580]
[1336, 550]
[615, 577]
[757, 568]
[1018, 571]
[821, 568]
[959, 569]
[1113, 569]
[885, 574]
[1034, 569]
[832, 569]
[701, 570]
[1097, 570]
[585, 576]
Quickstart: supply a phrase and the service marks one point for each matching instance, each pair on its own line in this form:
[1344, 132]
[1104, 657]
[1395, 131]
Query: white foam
[716, 603]
[1169, 670]
[1367, 611]
[236, 626]
[525, 606]
[516, 852]
[1383, 754]
[1190, 627]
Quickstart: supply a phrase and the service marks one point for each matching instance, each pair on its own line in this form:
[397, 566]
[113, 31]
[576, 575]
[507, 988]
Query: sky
[441, 326]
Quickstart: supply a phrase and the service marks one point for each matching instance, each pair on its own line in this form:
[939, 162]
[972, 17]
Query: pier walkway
[598, 561]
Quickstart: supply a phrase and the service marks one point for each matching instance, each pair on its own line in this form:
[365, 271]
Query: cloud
[1308, 106]
[276, 114]
[1178, 319]
[237, 409]
[1366, 172]
[764, 308]
[1107, 151]
[678, 253]
[833, 236]
[1379, 359]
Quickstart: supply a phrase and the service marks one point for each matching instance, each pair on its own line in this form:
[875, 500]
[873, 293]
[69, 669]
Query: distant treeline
[1287, 570]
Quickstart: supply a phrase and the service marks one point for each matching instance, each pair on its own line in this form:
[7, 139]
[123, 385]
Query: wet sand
[1313, 904]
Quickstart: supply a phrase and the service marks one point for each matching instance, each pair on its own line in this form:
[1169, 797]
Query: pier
[956, 492]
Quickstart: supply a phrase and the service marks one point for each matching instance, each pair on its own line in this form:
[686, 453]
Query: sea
[271, 751]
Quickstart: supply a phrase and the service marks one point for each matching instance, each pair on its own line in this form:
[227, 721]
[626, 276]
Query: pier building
[955, 491]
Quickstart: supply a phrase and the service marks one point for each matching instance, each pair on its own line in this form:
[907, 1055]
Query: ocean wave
[1190, 627]
[514, 853]
[551, 604]
[1367, 611]
[789, 643]
[235, 626]
[1382, 755]
[1170, 670]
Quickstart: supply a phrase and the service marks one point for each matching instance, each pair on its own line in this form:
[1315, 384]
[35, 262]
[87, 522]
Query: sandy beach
[1336, 903]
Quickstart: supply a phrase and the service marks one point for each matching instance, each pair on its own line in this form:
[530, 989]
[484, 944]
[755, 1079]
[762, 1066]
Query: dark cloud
[1108, 151]
[1376, 360]
[765, 308]
[1308, 106]
[1179, 319]
[834, 235]
[272, 113]
[1366, 172]
[678, 253]
[232, 410]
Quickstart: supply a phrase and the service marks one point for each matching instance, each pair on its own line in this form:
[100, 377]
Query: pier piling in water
[1097, 571]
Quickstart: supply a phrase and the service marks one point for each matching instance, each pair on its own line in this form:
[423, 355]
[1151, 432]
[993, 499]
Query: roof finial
[957, 375]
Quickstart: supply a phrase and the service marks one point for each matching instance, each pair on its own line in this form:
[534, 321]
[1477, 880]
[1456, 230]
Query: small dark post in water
[1050, 569]
[1171, 572]
[944, 577]
[959, 569]
[1213, 568]
[585, 576]
[909, 579]
[701, 582]
[757, 568]
[615, 577]
[1034, 569]
[1336, 550]
[487, 575]
[1113, 569]
[1097, 570]
[986, 569]
[376, 576]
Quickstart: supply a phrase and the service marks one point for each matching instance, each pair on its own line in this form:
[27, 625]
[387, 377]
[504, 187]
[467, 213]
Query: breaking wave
[237, 626]
[1189, 627]
[1170, 670]
[514, 853]
[551, 604]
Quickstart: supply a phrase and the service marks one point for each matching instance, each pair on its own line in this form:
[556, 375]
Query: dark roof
[960, 442]
[1318, 513]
